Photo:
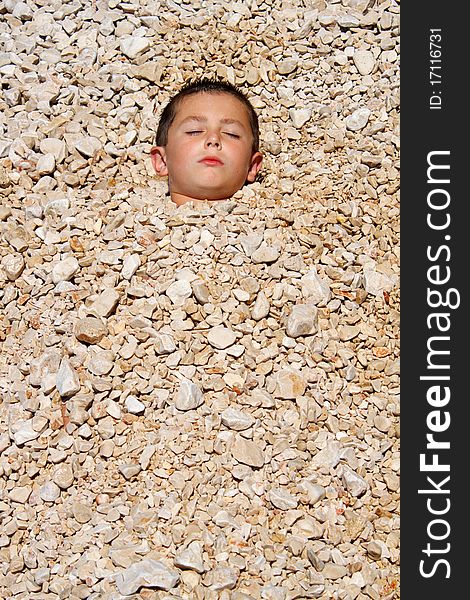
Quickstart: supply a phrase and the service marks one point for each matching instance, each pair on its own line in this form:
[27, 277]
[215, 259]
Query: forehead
[217, 105]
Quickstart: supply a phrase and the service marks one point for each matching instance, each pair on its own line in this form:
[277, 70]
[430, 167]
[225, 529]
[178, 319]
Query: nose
[213, 140]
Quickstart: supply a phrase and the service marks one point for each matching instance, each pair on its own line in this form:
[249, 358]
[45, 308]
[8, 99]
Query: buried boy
[207, 142]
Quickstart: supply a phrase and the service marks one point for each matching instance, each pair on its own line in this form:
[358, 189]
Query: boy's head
[207, 142]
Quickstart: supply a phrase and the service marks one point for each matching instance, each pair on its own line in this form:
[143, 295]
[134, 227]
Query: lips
[211, 161]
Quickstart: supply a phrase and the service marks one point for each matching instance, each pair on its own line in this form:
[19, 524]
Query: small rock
[90, 330]
[358, 119]
[130, 266]
[13, 265]
[250, 242]
[105, 304]
[303, 320]
[146, 573]
[374, 550]
[222, 578]
[49, 492]
[314, 288]
[46, 164]
[190, 558]
[25, 432]
[266, 254]
[313, 491]
[81, 512]
[133, 46]
[129, 470]
[179, 291]
[53, 146]
[282, 499]
[67, 381]
[287, 66]
[376, 283]
[364, 61]
[88, 146]
[63, 476]
[334, 571]
[20, 494]
[290, 384]
[300, 116]
[189, 396]
[200, 291]
[236, 419]
[348, 332]
[164, 344]
[65, 269]
[221, 337]
[261, 307]
[247, 452]
[134, 406]
[353, 482]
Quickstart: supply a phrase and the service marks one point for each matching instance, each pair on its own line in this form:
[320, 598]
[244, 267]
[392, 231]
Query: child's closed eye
[232, 135]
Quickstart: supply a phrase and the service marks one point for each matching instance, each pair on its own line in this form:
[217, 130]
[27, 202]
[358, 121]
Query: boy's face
[209, 153]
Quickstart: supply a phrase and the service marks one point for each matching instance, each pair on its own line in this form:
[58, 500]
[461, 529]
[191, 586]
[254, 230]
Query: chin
[214, 196]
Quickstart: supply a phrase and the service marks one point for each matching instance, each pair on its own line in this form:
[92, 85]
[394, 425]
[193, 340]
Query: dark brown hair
[212, 86]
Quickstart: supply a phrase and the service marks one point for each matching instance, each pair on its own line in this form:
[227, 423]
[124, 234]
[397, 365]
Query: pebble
[90, 330]
[129, 470]
[314, 288]
[88, 146]
[189, 396]
[250, 242]
[81, 512]
[247, 452]
[130, 265]
[364, 61]
[300, 116]
[236, 419]
[377, 283]
[179, 291]
[282, 499]
[67, 381]
[303, 320]
[265, 254]
[313, 491]
[191, 558]
[374, 550]
[55, 147]
[221, 337]
[105, 304]
[261, 307]
[46, 164]
[287, 66]
[133, 46]
[355, 484]
[49, 492]
[358, 119]
[20, 494]
[148, 573]
[65, 269]
[25, 432]
[13, 265]
[290, 384]
[63, 476]
[134, 406]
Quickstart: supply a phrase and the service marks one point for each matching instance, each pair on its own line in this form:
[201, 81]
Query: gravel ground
[199, 402]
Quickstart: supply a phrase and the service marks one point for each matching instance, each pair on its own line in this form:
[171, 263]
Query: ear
[158, 155]
[255, 166]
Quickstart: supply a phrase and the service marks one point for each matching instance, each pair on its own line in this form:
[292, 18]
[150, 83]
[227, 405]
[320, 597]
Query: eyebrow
[201, 119]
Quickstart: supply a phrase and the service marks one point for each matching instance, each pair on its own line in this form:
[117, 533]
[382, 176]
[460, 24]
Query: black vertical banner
[434, 336]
